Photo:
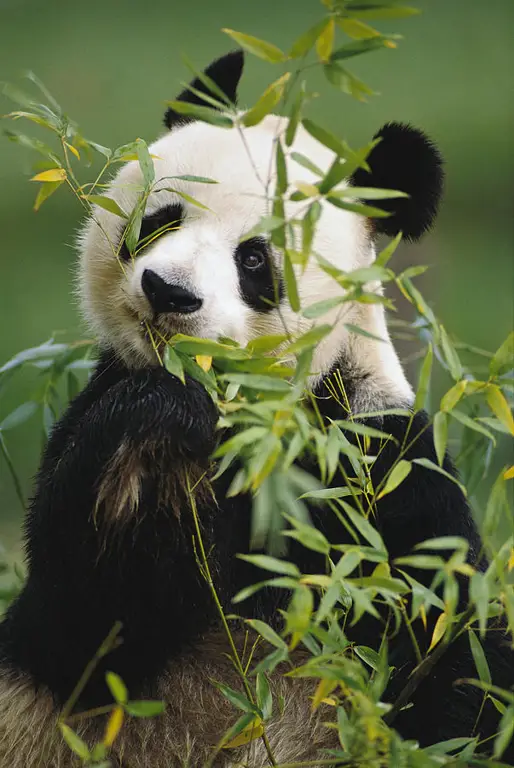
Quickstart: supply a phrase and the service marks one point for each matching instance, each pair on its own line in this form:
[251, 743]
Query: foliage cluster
[262, 395]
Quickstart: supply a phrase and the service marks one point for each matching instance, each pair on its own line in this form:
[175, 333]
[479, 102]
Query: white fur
[200, 255]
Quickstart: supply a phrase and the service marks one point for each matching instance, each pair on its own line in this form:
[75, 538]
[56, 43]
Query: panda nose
[165, 297]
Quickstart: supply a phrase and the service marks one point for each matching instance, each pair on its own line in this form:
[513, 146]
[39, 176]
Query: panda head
[198, 278]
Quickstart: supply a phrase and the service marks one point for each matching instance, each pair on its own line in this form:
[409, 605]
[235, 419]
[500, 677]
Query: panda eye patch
[165, 219]
[259, 283]
[253, 254]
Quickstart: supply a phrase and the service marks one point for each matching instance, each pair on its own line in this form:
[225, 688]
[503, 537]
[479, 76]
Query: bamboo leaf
[325, 41]
[440, 435]
[439, 630]
[479, 658]
[266, 103]
[113, 727]
[107, 203]
[258, 47]
[54, 174]
[424, 380]
[396, 477]
[499, 406]
[117, 687]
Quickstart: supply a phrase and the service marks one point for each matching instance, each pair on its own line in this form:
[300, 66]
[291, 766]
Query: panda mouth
[162, 327]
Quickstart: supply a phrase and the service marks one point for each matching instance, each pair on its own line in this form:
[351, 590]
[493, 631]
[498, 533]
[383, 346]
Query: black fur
[405, 160]
[172, 215]
[225, 72]
[83, 577]
[261, 288]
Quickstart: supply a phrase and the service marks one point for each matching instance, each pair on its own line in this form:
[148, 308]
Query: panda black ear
[405, 160]
[224, 72]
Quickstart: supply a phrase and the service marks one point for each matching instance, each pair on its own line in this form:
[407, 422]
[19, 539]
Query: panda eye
[252, 257]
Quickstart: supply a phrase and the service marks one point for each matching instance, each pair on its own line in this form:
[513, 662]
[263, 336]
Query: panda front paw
[152, 406]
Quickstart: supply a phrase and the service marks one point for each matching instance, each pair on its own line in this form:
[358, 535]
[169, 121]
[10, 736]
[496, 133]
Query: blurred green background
[112, 65]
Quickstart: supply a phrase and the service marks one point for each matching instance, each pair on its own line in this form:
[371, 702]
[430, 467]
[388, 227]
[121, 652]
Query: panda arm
[90, 566]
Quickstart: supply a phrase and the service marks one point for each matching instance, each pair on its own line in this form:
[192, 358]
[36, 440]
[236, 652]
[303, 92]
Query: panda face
[197, 277]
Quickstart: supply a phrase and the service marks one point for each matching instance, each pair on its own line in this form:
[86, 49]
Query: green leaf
[327, 493]
[75, 743]
[451, 356]
[191, 345]
[363, 210]
[306, 163]
[305, 42]
[322, 307]
[364, 527]
[45, 191]
[396, 477]
[294, 117]
[472, 424]
[18, 416]
[309, 339]
[272, 564]
[265, 224]
[424, 380]
[326, 138]
[173, 363]
[503, 359]
[205, 114]
[369, 193]
[435, 468]
[505, 732]
[384, 255]
[452, 397]
[236, 698]
[479, 658]
[145, 708]
[145, 162]
[359, 47]
[310, 538]
[363, 429]
[440, 435]
[266, 103]
[248, 437]
[500, 407]
[325, 41]
[363, 11]
[291, 286]
[267, 633]
[260, 48]
[107, 203]
[186, 197]
[264, 697]
[117, 687]
[255, 381]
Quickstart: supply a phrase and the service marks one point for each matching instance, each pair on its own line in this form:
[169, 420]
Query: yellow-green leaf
[304, 43]
[440, 435]
[252, 731]
[452, 397]
[500, 407]
[509, 473]
[424, 379]
[75, 743]
[266, 102]
[258, 47]
[113, 726]
[73, 150]
[107, 203]
[204, 361]
[44, 192]
[396, 477]
[357, 29]
[325, 41]
[439, 630]
[54, 174]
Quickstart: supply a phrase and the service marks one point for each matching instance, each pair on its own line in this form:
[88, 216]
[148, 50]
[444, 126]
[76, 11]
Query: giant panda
[108, 535]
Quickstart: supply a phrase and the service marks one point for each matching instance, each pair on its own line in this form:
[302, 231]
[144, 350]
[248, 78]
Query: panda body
[109, 534]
